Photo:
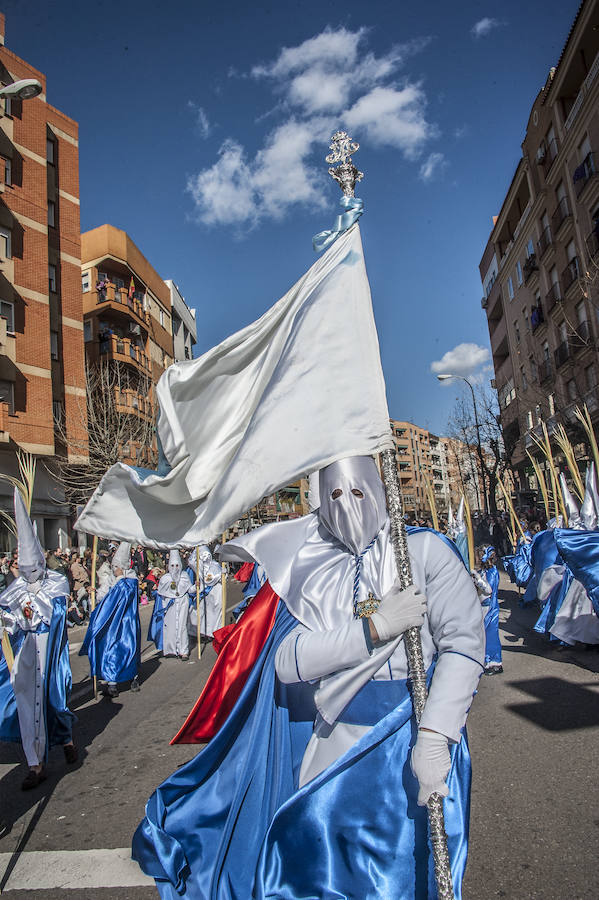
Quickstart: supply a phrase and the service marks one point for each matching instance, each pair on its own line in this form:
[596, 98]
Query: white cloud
[326, 82]
[202, 121]
[464, 359]
[432, 166]
[484, 27]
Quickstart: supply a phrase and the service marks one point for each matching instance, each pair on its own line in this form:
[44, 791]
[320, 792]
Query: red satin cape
[239, 651]
[245, 572]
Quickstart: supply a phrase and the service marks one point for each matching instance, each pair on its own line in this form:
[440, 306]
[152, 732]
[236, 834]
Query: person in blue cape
[169, 623]
[316, 783]
[113, 638]
[489, 593]
[35, 671]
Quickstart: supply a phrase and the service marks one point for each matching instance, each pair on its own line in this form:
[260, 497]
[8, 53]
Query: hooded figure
[307, 784]
[490, 603]
[570, 504]
[113, 638]
[34, 693]
[171, 610]
[210, 593]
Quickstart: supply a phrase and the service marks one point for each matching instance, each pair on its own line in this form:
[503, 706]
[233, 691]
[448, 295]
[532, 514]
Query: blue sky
[203, 131]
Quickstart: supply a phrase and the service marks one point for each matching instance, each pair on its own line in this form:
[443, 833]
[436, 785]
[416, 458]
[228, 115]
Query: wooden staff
[199, 621]
[7, 647]
[469, 534]
[515, 518]
[223, 581]
[92, 596]
[542, 483]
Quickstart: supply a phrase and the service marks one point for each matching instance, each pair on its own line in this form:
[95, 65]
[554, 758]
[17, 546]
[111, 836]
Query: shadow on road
[558, 705]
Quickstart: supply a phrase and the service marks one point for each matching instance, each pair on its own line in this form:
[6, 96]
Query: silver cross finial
[345, 174]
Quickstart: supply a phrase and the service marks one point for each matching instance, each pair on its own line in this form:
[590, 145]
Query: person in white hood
[173, 591]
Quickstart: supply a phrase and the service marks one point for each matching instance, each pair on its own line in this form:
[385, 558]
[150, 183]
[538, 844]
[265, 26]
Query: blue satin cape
[543, 553]
[545, 622]
[580, 550]
[254, 584]
[518, 565]
[113, 638]
[231, 823]
[491, 607]
[157, 620]
[57, 684]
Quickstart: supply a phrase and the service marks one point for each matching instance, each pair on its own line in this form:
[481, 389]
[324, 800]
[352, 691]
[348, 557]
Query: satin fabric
[113, 638]
[543, 553]
[491, 605]
[461, 542]
[32, 560]
[57, 684]
[354, 520]
[553, 605]
[580, 550]
[157, 621]
[518, 565]
[254, 584]
[244, 573]
[236, 805]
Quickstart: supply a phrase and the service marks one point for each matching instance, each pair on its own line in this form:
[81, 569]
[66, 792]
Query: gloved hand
[398, 611]
[430, 763]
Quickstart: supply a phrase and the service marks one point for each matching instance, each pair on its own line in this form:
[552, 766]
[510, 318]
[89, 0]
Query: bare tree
[495, 457]
[114, 422]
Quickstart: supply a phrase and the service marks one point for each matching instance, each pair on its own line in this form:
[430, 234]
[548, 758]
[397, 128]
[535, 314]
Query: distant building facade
[185, 333]
[540, 268]
[41, 323]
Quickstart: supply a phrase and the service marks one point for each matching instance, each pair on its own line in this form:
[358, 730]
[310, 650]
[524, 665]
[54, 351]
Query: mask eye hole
[357, 493]
[336, 494]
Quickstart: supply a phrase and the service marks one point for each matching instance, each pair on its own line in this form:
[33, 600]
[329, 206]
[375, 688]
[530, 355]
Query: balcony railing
[583, 174]
[562, 354]
[545, 370]
[551, 151]
[536, 317]
[554, 296]
[560, 214]
[123, 347]
[582, 337]
[529, 267]
[111, 293]
[571, 273]
[592, 241]
[545, 241]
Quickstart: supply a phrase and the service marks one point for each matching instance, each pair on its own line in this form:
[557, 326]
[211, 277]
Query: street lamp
[25, 89]
[478, 444]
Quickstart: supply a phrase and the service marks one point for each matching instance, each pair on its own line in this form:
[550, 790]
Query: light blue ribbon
[354, 208]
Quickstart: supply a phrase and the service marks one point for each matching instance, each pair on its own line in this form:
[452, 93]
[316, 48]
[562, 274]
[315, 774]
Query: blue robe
[580, 550]
[113, 638]
[232, 824]
[57, 684]
[491, 607]
[518, 565]
[157, 620]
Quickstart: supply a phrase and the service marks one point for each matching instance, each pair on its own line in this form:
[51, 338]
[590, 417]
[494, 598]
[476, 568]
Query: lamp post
[478, 443]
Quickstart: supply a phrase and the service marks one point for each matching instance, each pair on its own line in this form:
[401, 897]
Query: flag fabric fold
[292, 392]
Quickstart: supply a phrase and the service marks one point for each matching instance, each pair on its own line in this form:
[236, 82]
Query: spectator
[55, 562]
[80, 581]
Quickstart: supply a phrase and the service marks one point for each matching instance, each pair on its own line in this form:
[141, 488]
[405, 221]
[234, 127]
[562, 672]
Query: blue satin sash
[113, 638]
[232, 825]
[254, 584]
[491, 604]
[580, 549]
[156, 622]
[57, 683]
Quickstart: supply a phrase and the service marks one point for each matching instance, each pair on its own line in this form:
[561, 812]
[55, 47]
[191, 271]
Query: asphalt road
[533, 733]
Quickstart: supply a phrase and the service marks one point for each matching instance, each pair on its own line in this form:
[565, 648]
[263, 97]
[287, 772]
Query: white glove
[398, 611]
[482, 586]
[430, 763]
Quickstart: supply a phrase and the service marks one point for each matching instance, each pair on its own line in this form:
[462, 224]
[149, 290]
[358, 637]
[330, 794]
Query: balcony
[592, 242]
[562, 354]
[560, 214]
[545, 370]
[547, 158]
[583, 174]
[529, 267]
[571, 274]
[120, 296]
[536, 317]
[554, 296]
[4, 435]
[545, 241]
[582, 337]
[123, 350]
[130, 401]
[537, 432]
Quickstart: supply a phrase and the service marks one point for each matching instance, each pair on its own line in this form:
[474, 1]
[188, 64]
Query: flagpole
[346, 175]
[199, 623]
[223, 582]
[92, 598]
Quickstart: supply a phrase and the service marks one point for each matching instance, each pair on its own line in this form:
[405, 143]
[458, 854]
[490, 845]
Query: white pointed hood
[353, 506]
[460, 524]
[570, 504]
[589, 511]
[450, 521]
[121, 557]
[32, 561]
[175, 566]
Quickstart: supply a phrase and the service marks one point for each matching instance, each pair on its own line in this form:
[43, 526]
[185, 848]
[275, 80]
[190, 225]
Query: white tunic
[576, 619]
[210, 605]
[175, 636]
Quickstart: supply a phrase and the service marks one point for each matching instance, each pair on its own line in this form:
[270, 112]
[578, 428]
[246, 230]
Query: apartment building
[185, 333]
[540, 268]
[127, 320]
[41, 322]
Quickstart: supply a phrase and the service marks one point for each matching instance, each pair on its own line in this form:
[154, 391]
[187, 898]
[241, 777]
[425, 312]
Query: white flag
[290, 393]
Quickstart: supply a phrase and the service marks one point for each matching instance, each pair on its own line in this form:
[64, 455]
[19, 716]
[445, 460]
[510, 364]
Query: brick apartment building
[540, 268]
[127, 320]
[41, 327]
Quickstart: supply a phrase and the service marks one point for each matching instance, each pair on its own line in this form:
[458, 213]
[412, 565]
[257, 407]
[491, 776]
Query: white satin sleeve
[306, 655]
[455, 619]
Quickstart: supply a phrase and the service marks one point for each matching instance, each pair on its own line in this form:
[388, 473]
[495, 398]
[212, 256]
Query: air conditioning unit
[134, 328]
[541, 153]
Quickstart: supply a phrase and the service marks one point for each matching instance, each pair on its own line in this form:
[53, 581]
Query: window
[529, 421]
[7, 171]
[581, 313]
[54, 344]
[519, 272]
[534, 369]
[52, 278]
[530, 248]
[87, 331]
[517, 332]
[572, 392]
[50, 150]
[563, 332]
[51, 213]
[590, 375]
[7, 395]
[538, 413]
[5, 243]
[7, 311]
[162, 317]
[57, 412]
[551, 402]
[85, 282]
[510, 288]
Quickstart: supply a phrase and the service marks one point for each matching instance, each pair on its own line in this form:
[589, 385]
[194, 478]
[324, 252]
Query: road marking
[73, 870]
